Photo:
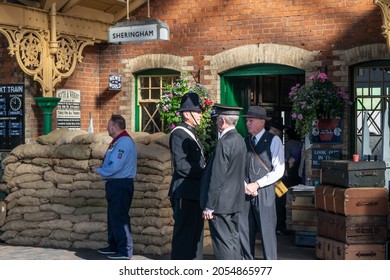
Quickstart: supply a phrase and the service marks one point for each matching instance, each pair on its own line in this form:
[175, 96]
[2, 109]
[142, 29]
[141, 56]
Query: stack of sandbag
[55, 201]
[151, 212]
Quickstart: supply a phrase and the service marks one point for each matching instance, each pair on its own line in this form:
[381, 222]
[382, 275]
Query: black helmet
[190, 102]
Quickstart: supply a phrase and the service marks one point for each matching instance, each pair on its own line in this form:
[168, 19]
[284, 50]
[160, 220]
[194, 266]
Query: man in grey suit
[222, 192]
[264, 166]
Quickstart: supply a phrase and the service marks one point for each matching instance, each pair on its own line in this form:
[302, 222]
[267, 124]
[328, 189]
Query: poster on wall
[11, 116]
[68, 109]
[327, 131]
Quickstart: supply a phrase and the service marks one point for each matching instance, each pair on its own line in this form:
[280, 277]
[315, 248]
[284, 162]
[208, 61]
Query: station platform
[287, 250]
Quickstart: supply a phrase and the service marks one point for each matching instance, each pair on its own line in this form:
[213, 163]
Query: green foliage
[318, 99]
[170, 103]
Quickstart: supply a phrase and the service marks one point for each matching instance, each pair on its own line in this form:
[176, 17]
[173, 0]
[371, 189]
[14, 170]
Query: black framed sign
[324, 154]
[11, 116]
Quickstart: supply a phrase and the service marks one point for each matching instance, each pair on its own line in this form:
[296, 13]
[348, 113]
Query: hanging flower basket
[319, 98]
[170, 103]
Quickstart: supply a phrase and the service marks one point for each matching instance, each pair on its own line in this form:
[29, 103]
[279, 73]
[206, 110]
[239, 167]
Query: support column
[47, 104]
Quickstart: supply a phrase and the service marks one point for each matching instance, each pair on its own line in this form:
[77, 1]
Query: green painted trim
[157, 71]
[262, 70]
[372, 64]
[136, 109]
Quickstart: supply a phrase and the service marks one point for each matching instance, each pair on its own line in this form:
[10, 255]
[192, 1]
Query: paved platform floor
[287, 250]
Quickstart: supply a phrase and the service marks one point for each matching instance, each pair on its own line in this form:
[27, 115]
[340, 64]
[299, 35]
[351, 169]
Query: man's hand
[251, 189]
[95, 168]
[207, 215]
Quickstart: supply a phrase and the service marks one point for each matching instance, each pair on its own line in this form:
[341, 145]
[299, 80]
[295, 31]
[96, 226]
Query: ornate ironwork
[385, 9]
[33, 53]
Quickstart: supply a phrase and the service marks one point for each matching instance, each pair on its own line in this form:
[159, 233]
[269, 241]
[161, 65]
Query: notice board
[324, 154]
[11, 116]
[68, 109]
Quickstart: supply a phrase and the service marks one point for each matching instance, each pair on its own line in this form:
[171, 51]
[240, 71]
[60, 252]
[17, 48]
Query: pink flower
[300, 117]
[322, 77]
[293, 115]
[170, 95]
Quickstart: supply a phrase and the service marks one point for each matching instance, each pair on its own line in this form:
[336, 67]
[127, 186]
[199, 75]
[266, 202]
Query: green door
[236, 94]
[239, 85]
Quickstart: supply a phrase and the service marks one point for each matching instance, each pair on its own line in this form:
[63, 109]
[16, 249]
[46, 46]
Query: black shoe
[106, 251]
[118, 257]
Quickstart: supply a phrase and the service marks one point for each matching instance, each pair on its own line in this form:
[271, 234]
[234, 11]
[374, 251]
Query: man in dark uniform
[222, 190]
[188, 163]
[264, 166]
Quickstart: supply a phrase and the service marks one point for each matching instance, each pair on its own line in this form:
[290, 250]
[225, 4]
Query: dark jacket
[223, 180]
[188, 163]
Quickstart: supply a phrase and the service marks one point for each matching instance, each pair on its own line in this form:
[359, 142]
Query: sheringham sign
[138, 31]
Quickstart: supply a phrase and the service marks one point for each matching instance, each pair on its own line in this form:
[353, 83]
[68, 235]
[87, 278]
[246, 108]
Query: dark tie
[254, 141]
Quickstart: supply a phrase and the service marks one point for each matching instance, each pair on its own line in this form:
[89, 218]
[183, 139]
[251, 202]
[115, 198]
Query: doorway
[265, 85]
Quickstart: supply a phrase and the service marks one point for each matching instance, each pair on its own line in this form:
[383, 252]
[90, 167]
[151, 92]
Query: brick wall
[212, 36]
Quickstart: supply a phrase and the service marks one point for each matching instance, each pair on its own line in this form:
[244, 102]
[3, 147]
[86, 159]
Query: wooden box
[368, 251]
[352, 229]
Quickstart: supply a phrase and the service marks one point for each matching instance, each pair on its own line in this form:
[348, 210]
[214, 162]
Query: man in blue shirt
[119, 167]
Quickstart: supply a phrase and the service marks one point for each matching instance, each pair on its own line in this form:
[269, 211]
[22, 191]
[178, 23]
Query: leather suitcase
[343, 251]
[352, 229]
[324, 248]
[352, 201]
[347, 173]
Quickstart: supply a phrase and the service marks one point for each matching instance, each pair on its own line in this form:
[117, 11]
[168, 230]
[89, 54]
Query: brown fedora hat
[257, 112]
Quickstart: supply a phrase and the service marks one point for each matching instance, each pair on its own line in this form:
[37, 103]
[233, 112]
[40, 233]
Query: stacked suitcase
[352, 208]
[301, 214]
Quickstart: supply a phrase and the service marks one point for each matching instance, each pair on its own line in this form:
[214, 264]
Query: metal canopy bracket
[45, 54]
[385, 10]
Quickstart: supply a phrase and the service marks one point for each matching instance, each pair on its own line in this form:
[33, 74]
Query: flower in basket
[319, 98]
[170, 103]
